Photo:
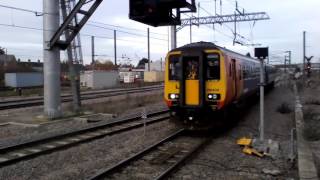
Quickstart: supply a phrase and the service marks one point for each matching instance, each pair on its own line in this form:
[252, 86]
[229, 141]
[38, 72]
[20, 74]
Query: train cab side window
[213, 67]
[174, 68]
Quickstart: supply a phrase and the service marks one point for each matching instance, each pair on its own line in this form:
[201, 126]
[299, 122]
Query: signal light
[159, 12]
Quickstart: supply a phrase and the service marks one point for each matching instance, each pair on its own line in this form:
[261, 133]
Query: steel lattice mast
[219, 19]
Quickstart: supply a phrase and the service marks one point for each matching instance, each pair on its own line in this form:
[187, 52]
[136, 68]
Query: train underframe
[205, 118]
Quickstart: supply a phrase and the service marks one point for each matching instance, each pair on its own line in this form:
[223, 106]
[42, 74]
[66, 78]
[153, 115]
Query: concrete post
[173, 37]
[92, 51]
[149, 49]
[304, 53]
[289, 57]
[190, 30]
[115, 47]
[51, 58]
[261, 100]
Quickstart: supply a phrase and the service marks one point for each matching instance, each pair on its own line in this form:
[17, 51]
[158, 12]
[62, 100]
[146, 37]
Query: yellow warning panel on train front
[192, 92]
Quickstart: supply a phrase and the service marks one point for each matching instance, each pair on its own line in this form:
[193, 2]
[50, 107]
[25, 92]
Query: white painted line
[18, 154]
[61, 142]
[3, 159]
[49, 146]
[33, 150]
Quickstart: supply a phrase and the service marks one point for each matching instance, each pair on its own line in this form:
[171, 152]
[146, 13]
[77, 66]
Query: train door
[191, 77]
[234, 77]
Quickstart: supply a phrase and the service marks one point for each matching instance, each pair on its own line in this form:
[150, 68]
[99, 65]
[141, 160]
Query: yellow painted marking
[192, 92]
[244, 141]
[251, 151]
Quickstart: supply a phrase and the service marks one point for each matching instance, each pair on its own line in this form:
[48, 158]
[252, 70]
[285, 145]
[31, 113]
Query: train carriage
[203, 79]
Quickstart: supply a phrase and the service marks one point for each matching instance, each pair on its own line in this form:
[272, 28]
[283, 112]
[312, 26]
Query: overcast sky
[289, 18]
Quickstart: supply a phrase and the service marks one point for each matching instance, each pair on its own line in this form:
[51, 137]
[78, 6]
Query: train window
[174, 68]
[191, 68]
[230, 72]
[213, 67]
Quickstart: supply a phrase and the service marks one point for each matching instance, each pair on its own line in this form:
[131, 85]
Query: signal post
[260, 143]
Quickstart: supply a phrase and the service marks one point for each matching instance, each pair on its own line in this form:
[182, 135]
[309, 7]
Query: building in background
[24, 79]
[99, 79]
[156, 73]
[4, 58]
[156, 66]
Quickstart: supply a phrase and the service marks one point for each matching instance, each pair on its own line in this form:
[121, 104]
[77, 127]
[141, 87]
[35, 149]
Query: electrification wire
[210, 27]
[38, 13]
[135, 34]
[122, 27]
[226, 26]
[82, 34]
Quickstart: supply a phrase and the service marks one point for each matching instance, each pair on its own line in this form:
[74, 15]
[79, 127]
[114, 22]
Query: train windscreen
[191, 68]
[174, 68]
[213, 67]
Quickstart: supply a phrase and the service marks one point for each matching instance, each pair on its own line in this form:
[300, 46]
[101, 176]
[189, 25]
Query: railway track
[27, 150]
[37, 101]
[157, 161]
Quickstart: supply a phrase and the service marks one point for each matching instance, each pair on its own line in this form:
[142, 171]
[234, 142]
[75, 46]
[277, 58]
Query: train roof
[209, 45]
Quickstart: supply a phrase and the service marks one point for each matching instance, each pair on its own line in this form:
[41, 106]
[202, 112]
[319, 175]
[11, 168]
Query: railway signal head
[308, 66]
[159, 12]
[261, 53]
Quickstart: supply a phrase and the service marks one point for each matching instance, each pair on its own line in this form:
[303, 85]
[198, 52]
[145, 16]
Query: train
[203, 81]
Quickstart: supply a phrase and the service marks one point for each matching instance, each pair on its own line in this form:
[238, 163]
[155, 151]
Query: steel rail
[27, 150]
[125, 162]
[103, 174]
[11, 104]
[179, 163]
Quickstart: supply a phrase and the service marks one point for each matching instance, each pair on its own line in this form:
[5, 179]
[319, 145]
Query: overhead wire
[38, 13]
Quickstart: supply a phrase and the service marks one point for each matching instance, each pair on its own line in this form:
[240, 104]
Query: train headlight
[173, 96]
[213, 96]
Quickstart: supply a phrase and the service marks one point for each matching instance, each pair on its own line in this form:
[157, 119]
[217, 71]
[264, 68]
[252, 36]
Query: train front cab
[195, 85]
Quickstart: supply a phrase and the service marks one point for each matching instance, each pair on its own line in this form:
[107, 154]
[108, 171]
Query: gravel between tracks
[85, 160]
